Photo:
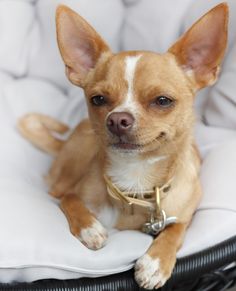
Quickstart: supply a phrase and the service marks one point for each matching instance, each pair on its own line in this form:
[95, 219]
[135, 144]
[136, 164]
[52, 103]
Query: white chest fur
[130, 173]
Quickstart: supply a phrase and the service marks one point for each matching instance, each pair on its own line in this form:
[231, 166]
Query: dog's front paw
[149, 273]
[94, 237]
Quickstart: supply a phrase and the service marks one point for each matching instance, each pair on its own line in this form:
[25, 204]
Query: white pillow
[221, 107]
[153, 25]
[36, 242]
[16, 35]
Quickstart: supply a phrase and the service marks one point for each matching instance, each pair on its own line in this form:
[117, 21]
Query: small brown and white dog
[139, 136]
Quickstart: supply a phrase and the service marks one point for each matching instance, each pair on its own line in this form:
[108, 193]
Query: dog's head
[138, 100]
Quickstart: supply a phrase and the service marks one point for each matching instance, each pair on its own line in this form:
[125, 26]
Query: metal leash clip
[158, 220]
[155, 226]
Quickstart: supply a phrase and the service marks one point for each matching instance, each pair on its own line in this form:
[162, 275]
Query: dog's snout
[119, 123]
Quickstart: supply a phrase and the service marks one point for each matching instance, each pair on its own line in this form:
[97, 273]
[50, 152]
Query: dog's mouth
[129, 146]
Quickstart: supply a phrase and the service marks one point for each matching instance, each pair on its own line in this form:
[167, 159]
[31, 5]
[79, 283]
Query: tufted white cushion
[221, 107]
[35, 241]
[153, 24]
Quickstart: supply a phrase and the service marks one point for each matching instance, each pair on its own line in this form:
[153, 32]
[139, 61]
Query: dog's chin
[126, 148]
[132, 148]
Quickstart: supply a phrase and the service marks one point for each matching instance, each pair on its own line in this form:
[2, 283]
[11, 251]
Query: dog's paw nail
[148, 273]
[94, 237]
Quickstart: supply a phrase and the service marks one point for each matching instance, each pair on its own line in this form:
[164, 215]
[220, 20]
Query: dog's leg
[73, 161]
[83, 223]
[155, 267]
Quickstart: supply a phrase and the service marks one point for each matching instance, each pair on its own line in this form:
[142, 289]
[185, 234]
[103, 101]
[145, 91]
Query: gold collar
[144, 202]
[149, 204]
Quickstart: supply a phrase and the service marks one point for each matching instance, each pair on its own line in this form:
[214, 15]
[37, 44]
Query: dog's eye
[98, 100]
[163, 101]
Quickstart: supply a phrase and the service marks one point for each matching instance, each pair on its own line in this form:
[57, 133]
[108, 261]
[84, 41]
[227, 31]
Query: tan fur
[38, 127]
[78, 215]
[77, 172]
[71, 165]
[207, 38]
[164, 248]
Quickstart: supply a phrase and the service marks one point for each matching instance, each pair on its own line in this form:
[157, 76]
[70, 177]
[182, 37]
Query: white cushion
[17, 35]
[221, 106]
[215, 219]
[35, 239]
[154, 25]
[36, 242]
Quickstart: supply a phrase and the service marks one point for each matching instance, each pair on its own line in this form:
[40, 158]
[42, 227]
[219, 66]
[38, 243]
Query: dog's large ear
[80, 45]
[201, 49]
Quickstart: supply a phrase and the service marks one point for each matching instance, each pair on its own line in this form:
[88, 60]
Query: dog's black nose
[119, 123]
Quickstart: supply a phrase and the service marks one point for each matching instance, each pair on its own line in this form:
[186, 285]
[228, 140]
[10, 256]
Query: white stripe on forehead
[128, 102]
[130, 66]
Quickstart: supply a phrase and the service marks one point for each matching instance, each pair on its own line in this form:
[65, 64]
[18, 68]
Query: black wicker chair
[213, 269]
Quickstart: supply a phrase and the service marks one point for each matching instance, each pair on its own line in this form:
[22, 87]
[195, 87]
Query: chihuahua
[136, 153]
